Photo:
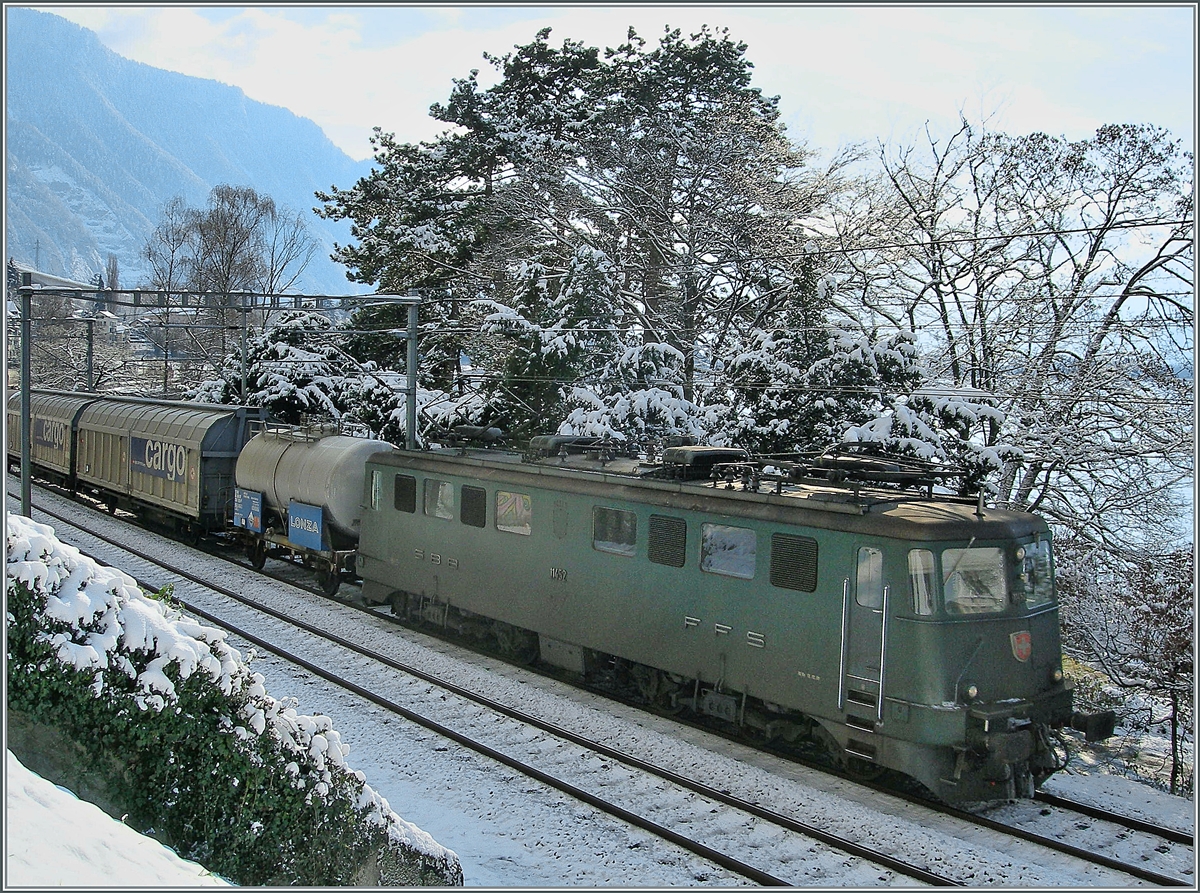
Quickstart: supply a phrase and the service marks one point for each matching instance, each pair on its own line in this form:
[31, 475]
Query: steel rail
[1172, 834]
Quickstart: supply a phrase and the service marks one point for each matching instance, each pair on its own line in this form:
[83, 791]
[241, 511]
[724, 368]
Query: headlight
[1057, 675]
[972, 692]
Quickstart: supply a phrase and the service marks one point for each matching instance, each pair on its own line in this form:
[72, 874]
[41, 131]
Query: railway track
[1172, 835]
[748, 811]
[1133, 835]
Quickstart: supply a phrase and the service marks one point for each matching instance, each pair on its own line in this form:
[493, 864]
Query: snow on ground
[507, 834]
[54, 839]
[1125, 797]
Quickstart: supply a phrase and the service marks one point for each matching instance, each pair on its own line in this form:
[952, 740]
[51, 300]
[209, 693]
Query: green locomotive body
[902, 632]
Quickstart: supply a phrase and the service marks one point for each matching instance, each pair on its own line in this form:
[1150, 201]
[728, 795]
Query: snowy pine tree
[294, 368]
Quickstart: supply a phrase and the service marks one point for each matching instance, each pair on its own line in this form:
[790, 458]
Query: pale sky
[843, 73]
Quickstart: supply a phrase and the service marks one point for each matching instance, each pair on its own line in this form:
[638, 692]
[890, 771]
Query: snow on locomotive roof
[875, 510]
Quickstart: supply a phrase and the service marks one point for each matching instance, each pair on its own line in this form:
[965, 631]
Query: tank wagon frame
[298, 498]
[901, 632]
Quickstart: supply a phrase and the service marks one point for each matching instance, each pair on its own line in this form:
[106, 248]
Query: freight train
[201, 468]
[842, 604]
[169, 462]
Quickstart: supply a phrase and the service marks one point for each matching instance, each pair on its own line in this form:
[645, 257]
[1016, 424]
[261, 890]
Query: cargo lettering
[50, 433]
[306, 525]
[159, 458]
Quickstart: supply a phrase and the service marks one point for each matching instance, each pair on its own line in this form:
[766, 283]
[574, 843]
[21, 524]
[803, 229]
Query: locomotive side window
[514, 513]
[376, 489]
[473, 510]
[1035, 572]
[974, 581]
[729, 551]
[921, 577]
[614, 531]
[439, 499]
[869, 591]
[668, 540]
[404, 495]
[793, 562]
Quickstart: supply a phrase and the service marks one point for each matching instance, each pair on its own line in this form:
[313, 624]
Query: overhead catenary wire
[153, 292]
[707, 381]
[247, 304]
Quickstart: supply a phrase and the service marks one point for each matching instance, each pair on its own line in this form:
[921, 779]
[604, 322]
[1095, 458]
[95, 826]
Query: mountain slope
[96, 144]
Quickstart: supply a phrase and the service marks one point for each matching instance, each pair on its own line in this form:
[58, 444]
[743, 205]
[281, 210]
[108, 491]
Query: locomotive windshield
[974, 581]
[981, 579]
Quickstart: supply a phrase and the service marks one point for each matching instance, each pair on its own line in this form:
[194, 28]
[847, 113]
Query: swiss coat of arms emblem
[1022, 645]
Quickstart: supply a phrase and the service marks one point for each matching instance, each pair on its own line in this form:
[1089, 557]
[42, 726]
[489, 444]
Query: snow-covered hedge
[220, 770]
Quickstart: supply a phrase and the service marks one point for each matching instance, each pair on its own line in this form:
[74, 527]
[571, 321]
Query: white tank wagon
[299, 497]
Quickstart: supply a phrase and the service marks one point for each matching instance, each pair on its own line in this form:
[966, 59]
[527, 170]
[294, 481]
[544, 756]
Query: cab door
[864, 633]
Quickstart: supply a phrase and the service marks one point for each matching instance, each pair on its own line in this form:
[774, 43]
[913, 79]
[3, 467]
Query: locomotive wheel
[863, 770]
[516, 644]
[328, 579]
[648, 681]
[399, 604]
[656, 688]
[256, 551]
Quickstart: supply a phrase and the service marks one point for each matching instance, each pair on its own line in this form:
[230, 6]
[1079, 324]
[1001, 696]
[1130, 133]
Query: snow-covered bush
[636, 414]
[220, 770]
[797, 391]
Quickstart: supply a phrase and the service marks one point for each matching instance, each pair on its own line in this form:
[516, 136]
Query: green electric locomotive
[902, 631]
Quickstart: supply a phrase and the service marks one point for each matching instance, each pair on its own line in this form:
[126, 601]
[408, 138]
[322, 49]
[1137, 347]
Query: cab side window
[729, 551]
[439, 499]
[514, 512]
[472, 509]
[922, 579]
[376, 489]
[869, 591]
[614, 531]
[404, 494]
